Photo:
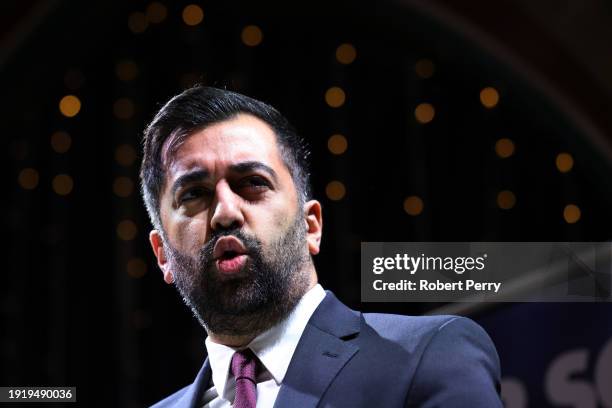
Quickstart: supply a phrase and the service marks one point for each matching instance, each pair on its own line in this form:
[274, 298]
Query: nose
[227, 211]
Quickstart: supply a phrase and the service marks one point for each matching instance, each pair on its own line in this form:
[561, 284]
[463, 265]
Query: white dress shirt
[274, 348]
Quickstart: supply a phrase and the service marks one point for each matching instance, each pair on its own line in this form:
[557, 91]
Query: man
[225, 182]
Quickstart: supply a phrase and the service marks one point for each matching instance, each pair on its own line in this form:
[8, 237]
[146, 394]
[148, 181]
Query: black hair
[197, 108]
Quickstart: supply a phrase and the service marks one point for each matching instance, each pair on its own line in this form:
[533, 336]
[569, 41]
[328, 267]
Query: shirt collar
[274, 347]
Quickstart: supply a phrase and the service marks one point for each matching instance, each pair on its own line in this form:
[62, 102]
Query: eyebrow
[240, 168]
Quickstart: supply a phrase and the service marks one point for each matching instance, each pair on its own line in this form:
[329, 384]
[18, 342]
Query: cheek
[188, 234]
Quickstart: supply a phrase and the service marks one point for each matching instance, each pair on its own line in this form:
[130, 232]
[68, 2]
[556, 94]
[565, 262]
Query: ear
[157, 244]
[314, 223]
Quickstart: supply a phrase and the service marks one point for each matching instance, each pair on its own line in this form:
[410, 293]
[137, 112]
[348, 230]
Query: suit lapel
[193, 395]
[321, 354]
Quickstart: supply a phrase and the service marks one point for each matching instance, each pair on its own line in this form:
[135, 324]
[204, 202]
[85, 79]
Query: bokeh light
[424, 113]
[193, 15]
[571, 213]
[335, 190]
[506, 199]
[126, 230]
[413, 205]
[504, 148]
[70, 106]
[28, 178]
[346, 54]
[337, 144]
[251, 35]
[60, 142]
[564, 162]
[489, 97]
[335, 97]
[62, 184]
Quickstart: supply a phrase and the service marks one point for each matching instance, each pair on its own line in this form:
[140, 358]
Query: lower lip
[233, 265]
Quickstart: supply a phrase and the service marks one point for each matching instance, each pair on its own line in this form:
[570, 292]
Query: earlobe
[314, 222]
[157, 245]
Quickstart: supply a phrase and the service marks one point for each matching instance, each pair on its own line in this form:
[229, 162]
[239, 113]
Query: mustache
[251, 244]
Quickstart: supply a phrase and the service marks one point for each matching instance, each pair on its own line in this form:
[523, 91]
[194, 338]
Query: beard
[262, 294]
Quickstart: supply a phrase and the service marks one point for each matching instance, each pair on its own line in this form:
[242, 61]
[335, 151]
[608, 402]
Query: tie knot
[244, 365]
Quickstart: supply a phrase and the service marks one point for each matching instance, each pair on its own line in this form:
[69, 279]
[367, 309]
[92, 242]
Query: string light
[156, 12]
[335, 97]
[424, 68]
[62, 184]
[571, 213]
[504, 148]
[506, 199]
[251, 35]
[126, 70]
[346, 54]
[489, 97]
[337, 144]
[126, 230]
[413, 205]
[424, 113]
[60, 142]
[125, 155]
[70, 106]
[335, 190]
[564, 162]
[193, 15]
[28, 178]
[136, 268]
[137, 22]
[123, 186]
[123, 108]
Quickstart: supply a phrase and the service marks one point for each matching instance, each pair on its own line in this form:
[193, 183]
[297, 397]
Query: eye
[192, 194]
[255, 184]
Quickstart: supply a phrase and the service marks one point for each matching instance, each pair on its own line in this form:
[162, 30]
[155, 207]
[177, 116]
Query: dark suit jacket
[349, 359]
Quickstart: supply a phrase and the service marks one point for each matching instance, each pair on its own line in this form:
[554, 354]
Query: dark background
[82, 301]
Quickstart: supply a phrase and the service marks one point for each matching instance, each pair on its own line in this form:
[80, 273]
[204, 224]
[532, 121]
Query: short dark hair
[197, 108]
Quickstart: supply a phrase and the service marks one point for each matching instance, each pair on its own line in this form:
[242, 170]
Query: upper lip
[228, 244]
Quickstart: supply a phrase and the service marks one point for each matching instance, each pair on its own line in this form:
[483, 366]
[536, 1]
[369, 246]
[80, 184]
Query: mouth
[230, 255]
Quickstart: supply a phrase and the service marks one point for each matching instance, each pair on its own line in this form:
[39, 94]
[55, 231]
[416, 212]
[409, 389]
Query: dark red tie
[243, 369]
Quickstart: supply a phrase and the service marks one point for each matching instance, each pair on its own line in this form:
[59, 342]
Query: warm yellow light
[335, 97]
[424, 113]
[60, 142]
[123, 108]
[337, 144]
[126, 70]
[252, 35]
[504, 148]
[564, 162]
[70, 106]
[335, 190]
[125, 155]
[126, 230]
[489, 97]
[193, 15]
[346, 54]
[123, 186]
[62, 184]
[28, 178]
[136, 268]
[506, 199]
[413, 205]
[571, 213]
[137, 22]
[424, 68]
[156, 12]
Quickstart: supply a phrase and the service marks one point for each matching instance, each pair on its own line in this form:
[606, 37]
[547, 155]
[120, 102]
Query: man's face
[236, 241]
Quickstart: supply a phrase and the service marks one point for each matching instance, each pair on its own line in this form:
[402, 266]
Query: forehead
[241, 138]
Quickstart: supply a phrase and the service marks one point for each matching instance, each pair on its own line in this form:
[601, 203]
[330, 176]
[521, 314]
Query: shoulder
[171, 400]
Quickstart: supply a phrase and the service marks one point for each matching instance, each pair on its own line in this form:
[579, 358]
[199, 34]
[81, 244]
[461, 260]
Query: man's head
[225, 182]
